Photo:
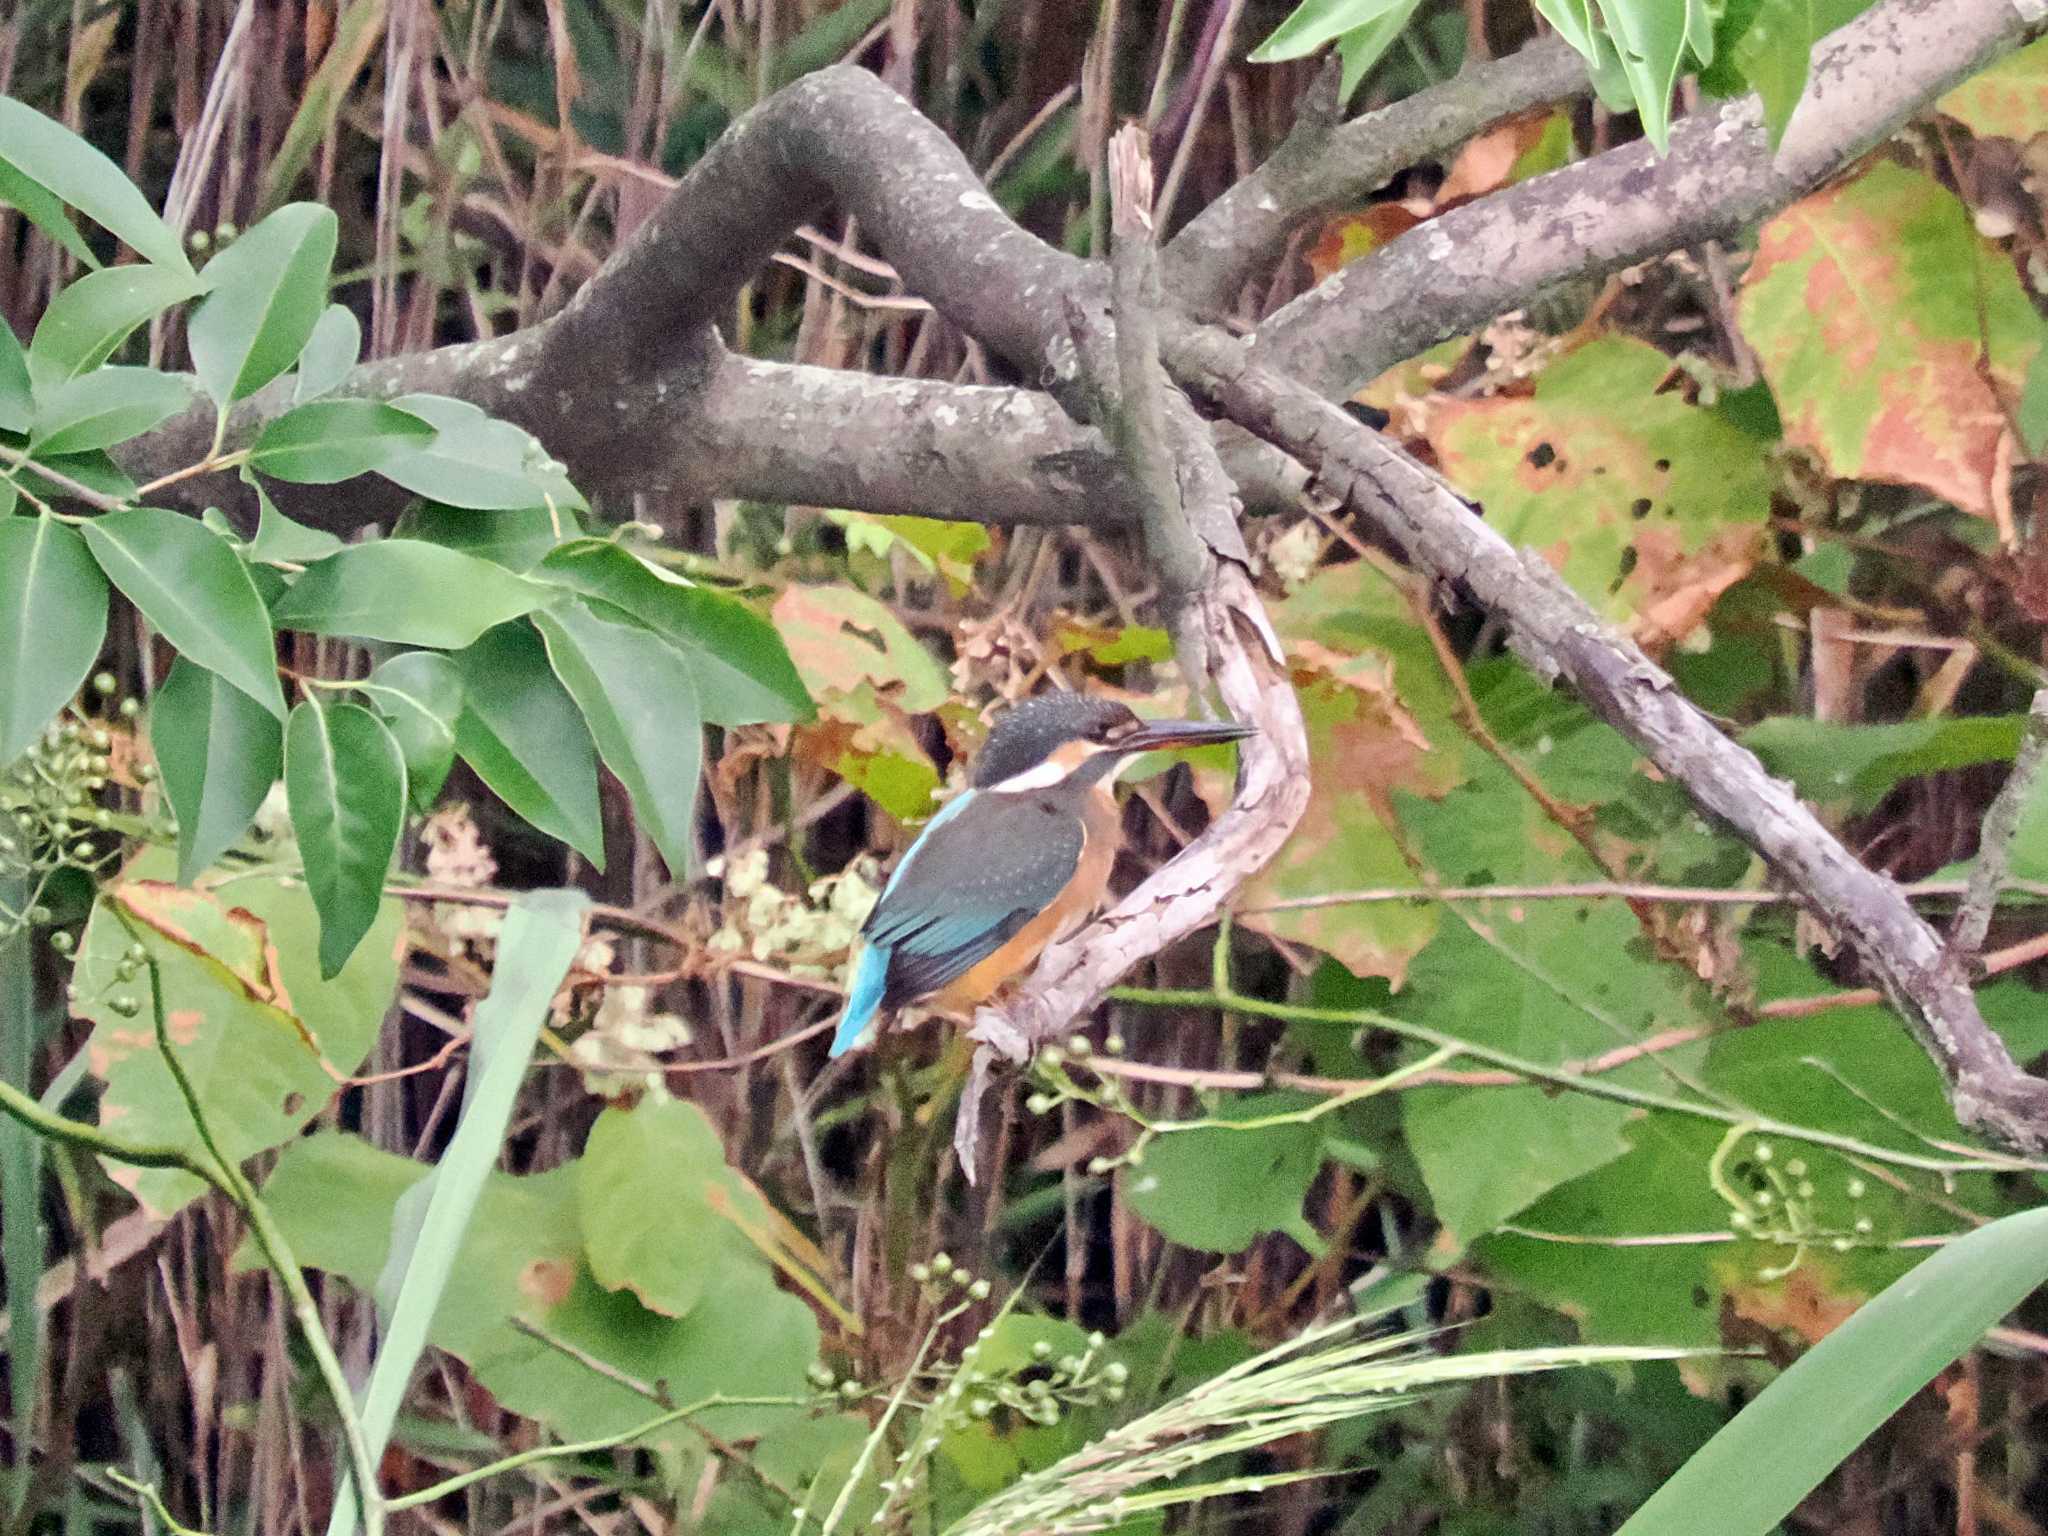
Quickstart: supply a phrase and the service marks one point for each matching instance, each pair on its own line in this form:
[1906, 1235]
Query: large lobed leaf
[1871, 306]
[249, 1013]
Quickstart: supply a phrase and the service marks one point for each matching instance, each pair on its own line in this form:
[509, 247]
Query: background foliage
[1506, 1038]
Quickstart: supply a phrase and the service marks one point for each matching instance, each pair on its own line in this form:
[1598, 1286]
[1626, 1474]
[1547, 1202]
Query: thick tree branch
[1326, 166]
[1457, 272]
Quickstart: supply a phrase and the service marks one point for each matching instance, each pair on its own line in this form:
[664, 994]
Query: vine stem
[513, 1463]
[1599, 1088]
[225, 1176]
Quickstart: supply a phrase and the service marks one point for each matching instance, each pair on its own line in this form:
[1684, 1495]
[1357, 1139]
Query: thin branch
[2001, 824]
[1594, 890]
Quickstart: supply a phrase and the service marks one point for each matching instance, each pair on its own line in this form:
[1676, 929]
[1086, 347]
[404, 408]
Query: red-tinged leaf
[1876, 311]
[1378, 715]
[2008, 100]
[1650, 507]
[1351, 235]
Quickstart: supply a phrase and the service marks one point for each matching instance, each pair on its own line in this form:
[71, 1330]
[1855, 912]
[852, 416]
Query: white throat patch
[1039, 776]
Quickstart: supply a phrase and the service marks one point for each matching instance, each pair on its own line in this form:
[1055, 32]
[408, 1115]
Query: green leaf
[1650, 37]
[516, 539]
[330, 353]
[1857, 765]
[53, 158]
[840, 639]
[1219, 1188]
[345, 780]
[1314, 22]
[662, 1213]
[1639, 498]
[327, 441]
[92, 469]
[1804, 1424]
[219, 752]
[742, 669]
[104, 407]
[635, 692]
[46, 211]
[17, 398]
[522, 733]
[53, 618]
[407, 592]
[281, 541]
[334, 1197]
[1363, 47]
[1772, 55]
[89, 319]
[419, 695]
[250, 1015]
[197, 593]
[478, 462]
[266, 292]
[540, 938]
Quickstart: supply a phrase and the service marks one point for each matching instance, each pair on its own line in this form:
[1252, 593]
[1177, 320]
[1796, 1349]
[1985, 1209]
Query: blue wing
[969, 883]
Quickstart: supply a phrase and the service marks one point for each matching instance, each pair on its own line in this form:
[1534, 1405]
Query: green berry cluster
[53, 803]
[1778, 1200]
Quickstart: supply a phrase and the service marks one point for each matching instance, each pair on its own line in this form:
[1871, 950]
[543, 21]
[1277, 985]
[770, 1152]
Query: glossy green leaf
[326, 441]
[636, 695]
[46, 153]
[1650, 37]
[279, 540]
[419, 695]
[330, 353]
[197, 593]
[540, 938]
[407, 592]
[345, 781]
[516, 539]
[104, 407]
[17, 397]
[266, 292]
[1804, 1424]
[1772, 54]
[522, 733]
[1315, 22]
[1363, 47]
[1218, 1187]
[46, 211]
[478, 462]
[92, 469]
[742, 669]
[53, 618]
[219, 752]
[89, 319]
[256, 1026]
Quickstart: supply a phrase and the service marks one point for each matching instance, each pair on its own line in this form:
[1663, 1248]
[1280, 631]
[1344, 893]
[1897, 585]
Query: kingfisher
[1019, 858]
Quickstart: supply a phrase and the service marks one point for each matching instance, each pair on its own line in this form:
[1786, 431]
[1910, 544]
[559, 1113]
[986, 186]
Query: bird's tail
[870, 976]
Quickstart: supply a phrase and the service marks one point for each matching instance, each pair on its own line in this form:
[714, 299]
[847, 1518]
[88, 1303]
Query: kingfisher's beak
[1170, 735]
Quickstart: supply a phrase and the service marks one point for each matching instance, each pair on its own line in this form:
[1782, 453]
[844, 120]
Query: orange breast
[1100, 825]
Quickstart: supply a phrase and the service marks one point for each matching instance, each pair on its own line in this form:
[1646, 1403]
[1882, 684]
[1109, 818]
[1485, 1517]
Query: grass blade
[1801, 1427]
[541, 936]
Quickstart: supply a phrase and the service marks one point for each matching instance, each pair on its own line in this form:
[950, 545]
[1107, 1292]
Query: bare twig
[1994, 847]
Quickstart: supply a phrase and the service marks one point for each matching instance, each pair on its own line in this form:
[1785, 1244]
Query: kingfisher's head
[1076, 740]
